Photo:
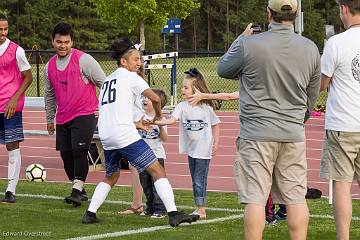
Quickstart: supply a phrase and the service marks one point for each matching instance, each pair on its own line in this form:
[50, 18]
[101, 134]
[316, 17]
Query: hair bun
[120, 46]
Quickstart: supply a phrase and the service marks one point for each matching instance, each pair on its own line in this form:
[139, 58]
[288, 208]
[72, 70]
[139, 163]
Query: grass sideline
[37, 216]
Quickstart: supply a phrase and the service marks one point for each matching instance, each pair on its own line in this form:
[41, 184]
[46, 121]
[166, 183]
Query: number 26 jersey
[116, 106]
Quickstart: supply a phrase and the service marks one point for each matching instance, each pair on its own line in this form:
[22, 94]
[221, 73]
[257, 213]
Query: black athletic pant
[73, 140]
[153, 201]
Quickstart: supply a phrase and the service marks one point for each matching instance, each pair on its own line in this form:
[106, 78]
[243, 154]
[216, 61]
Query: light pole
[299, 21]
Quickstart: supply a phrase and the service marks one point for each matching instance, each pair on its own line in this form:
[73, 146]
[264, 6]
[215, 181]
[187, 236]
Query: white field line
[154, 229]
[314, 140]
[229, 210]
[33, 156]
[35, 111]
[49, 138]
[127, 185]
[125, 202]
[35, 123]
[51, 148]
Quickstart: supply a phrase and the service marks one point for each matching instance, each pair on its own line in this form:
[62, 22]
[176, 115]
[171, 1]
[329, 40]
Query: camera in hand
[256, 29]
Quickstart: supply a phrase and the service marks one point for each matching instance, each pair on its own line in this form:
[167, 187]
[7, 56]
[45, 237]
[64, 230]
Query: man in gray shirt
[279, 74]
[71, 77]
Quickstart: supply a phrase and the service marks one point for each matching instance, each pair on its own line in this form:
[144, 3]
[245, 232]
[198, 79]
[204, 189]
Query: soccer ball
[35, 172]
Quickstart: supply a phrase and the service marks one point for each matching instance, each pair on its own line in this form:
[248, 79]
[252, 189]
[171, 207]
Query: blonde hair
[198, 81]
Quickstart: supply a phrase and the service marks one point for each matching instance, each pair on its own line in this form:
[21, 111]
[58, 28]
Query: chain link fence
[157, 78]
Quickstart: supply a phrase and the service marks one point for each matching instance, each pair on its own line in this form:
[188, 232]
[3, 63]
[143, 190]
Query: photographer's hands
[248, 30]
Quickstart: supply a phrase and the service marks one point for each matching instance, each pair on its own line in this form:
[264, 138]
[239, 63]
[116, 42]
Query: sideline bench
[95, 166]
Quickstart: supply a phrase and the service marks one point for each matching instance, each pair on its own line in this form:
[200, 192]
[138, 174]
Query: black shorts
[75, 134]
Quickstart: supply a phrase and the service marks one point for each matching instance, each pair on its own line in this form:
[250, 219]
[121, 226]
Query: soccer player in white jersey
[119, 136]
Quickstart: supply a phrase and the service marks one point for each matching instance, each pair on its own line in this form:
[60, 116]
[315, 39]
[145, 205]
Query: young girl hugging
[154, 137]
[198, 135]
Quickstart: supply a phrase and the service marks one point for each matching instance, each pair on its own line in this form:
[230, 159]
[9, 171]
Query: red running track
[41, 149]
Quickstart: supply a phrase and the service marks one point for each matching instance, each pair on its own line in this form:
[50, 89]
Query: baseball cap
[278, 5]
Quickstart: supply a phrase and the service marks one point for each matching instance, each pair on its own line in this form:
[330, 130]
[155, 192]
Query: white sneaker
[195, 213]
[157, 215]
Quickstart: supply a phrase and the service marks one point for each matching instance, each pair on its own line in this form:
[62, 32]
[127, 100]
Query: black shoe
[280, 216]
[313, 193]
[9, 198]
[146, 213]
[84, 196]
[74, 198]
[89, 218]
[176, 218]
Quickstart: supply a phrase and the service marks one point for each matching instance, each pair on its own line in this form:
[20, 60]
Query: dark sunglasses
[193, 72]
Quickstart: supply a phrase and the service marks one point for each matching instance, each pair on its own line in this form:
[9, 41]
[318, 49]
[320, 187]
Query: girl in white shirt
[198, 135]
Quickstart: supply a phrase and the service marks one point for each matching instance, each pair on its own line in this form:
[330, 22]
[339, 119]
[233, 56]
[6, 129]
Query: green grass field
[41, 214]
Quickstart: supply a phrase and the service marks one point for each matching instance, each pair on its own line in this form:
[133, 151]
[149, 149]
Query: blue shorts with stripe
[139, 155]
[11, 130]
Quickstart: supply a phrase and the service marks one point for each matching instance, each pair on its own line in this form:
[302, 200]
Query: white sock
[166, 194]
[99, 196]
[78, 184]
[14, 167]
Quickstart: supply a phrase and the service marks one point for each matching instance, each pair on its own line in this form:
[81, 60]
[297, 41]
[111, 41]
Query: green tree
[135, 14]
[31, 23]
[314, 23]
[211, 25]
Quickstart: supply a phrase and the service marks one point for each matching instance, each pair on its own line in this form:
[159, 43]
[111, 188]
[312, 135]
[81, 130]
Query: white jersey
[116, 106]
[21, 59]
[341, 62]
[195, 130]
[138, 108]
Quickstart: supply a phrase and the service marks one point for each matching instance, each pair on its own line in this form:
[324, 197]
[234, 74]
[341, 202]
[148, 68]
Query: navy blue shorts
[139, 154]
[11, 130]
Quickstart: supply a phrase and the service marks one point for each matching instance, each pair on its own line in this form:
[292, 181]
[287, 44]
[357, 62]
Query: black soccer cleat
[9, 198]
[74, 198]
[176, 218]
[84, 196]
[90, 218]
[279, 215]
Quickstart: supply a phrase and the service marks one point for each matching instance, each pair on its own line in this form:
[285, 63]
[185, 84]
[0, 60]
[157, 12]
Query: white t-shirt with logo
[195, 130]
[152, 138]
[116, 107]
[341, 61]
